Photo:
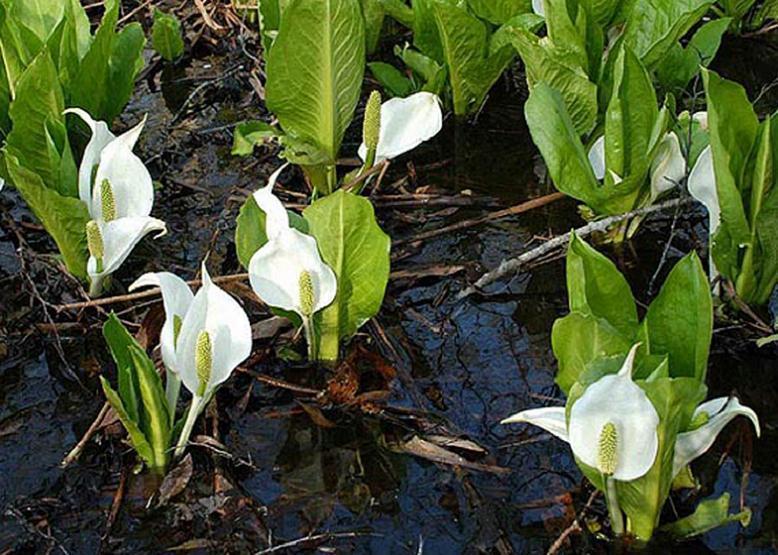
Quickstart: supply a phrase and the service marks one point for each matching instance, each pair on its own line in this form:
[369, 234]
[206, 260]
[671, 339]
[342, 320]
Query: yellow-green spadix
[118, 192]
[288, 272]
[612, 426]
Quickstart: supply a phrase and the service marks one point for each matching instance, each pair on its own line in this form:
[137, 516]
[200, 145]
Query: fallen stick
[513, 265]
[512, 211]
[76, 451]
[154, 292]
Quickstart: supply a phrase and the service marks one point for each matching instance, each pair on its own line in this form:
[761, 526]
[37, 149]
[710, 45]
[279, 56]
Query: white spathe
[668, 167]
[214, 311]
[276, 268]
[110, 158]
[537, 7]
[176, 299]
[597, 158]
[702, 186]
[405, 124]
[612, 400]
[720, 412]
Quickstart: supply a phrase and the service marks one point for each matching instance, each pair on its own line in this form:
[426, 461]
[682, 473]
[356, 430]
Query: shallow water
[460, 367]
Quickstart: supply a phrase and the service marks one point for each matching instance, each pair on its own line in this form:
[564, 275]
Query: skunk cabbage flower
[668, 167]
[612, 427]
[176, 298]
[288, 272]
[118, 192]
[715, 415]
[702, 186]
[215, 336]
[401, 125]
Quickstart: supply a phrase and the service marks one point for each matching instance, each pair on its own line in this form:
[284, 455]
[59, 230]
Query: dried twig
[314, 538]
[574, 527]
[76, 451]
[513, 265]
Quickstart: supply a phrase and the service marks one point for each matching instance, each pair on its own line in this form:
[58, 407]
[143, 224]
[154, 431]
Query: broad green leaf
[64, 218]
[373, 13]
[572, 83]
[603, 11]
[137, 438]
[680, 65]
[679, 321]
[357, 250]
[156, 416]
[166, 35]
[566, 25]
[39, 16]
[315, 71]
[464, 40]
[733, 129]
[654, 26]
[709, 515]
[38, 138]
[250, 230]
[391, 79]
[596, 287]
[119, 342]
[557, 139]
[767, 238]
[431, 72]
[499, 11]
[630, 119]
[580, 339]
[250, 134]
[269, 21]
[106, 78]
[426, 37]
[399, 11]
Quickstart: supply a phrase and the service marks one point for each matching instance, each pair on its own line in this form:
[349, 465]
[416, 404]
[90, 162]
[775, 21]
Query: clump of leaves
[51, 61]
[166, 35]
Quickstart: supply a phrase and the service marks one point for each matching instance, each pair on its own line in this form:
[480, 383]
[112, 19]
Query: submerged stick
[513, 265]
[512, 211]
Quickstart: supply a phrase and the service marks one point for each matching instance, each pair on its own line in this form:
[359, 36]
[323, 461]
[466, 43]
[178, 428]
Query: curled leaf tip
[371, 127]
[607, 457]
[203, 360]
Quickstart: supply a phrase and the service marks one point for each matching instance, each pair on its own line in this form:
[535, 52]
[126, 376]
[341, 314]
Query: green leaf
[357, 250]
[767, 240]
[580, 339]
[680, 65]
[137, 439]
[64, 218]
[166, 36]
[315, 71]
[499, 11]
[106, 77]
[250, 134]
[269, 21]
[399, 11]
[596, 287]
[250, 233]
[630, 119]
[555, 135]
[39, 16]
[733, 129]
[391, 79]
[38, 139]
[156, 415]
[679, 321]
[654, 26]
[709, 515]
[542, 66]
[373, 13]
[119, 341]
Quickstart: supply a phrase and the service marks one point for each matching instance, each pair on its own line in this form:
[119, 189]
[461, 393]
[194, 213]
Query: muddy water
[460, 367]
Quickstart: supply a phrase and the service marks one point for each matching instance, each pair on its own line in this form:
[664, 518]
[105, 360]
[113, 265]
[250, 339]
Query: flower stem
[311, 339]
[96, 286]
[614, 510]
[194, 410]
[172, 388]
